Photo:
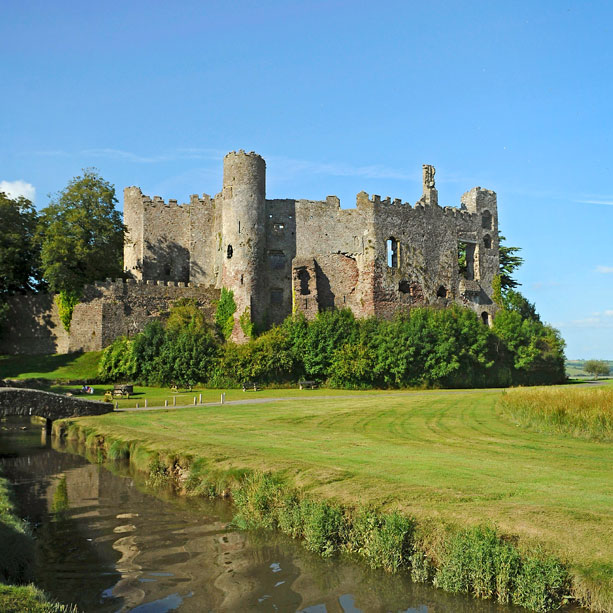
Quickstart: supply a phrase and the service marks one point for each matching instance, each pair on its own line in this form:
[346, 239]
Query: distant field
[574, 368]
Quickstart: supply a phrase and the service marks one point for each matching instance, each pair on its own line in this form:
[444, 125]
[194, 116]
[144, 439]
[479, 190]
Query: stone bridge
[27, 402]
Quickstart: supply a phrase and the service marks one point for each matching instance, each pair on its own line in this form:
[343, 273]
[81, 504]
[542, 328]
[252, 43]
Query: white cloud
[606, 270]
[18, 188]
[596, 201]
[287, 168]
[596, 321]
[186, 153]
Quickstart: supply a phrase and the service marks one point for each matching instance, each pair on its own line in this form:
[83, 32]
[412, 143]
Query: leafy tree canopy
[509, 263]
[19, 253]
[81, 234]
[598, 368]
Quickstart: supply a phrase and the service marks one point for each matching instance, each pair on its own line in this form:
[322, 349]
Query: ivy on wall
[224, 314]
[66, 302]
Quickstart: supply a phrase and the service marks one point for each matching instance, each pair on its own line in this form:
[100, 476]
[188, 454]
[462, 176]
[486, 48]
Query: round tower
[243, 228]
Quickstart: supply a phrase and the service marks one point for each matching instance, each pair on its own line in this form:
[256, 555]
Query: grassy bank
[67, 366]
[446, 462]
[578, 412]
[15, 562]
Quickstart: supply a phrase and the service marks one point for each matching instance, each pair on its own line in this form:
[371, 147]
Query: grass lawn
[438, 455]
[57, 366]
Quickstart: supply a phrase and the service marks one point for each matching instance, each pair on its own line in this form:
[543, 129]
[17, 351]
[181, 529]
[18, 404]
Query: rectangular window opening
[276, 296]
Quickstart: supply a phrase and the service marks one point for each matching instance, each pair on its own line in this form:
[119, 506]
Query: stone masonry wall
[108, 310]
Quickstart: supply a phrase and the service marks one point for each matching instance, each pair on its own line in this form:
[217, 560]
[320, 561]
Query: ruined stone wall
[280, 228]
[168, 241]
[341, 242]
[33, 326]
[108, 310]
[426, 271]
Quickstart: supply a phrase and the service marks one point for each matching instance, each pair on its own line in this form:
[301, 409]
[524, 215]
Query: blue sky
[338, 97]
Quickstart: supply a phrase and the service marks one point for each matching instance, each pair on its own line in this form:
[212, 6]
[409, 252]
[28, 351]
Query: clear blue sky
[338, 97]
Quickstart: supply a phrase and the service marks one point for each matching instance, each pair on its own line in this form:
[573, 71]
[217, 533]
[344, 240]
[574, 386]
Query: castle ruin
[285, 255]
[277, 256]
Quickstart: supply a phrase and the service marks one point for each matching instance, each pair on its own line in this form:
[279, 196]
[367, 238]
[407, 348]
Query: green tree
[598, 368]
[19, 252]
[81, 235]
[509, 263]
[326, 333]
[147, 348]
[506, 295]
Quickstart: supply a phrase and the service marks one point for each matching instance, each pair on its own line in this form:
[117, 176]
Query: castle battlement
[279, 255]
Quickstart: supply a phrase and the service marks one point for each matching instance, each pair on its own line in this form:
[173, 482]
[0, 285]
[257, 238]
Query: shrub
[118, 362]
[386, 541]
[480, 563]
[322, 525]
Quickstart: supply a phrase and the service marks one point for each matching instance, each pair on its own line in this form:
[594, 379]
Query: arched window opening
[486, 220]
[392, 252]
[404, 286]
[487, 241]
[441, 292]
[230, 251]
[485, 317]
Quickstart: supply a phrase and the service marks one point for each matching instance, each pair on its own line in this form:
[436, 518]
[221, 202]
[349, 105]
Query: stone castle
[279, 256]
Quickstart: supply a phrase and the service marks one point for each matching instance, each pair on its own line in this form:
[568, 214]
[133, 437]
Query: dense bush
[425, 347]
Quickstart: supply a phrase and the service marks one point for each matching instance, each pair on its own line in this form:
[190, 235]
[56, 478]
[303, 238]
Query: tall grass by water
[578, 412]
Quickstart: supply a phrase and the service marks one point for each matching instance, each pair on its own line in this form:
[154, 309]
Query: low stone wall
[26, 402]
[108, 309]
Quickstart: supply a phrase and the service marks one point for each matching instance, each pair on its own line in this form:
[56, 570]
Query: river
[106, 544]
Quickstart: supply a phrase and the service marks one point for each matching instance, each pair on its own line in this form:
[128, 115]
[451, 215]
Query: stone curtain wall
[33, 326]
[108, 309]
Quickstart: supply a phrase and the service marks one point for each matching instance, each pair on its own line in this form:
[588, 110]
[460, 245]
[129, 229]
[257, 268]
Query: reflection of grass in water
[60, 496]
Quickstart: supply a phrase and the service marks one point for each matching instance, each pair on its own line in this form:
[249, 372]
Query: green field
[442, 456]
[574, 368]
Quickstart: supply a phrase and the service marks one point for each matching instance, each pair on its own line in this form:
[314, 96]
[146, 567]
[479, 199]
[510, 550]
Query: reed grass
[578, 412]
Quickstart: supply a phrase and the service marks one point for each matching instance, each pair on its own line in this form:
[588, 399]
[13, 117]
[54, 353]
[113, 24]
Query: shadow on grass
[12, 366]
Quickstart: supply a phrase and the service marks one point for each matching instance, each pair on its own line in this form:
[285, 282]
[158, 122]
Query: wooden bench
[122, 391]
[251, 386]
[308, 385]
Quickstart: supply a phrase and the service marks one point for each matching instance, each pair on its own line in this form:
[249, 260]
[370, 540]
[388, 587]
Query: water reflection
[106, 545]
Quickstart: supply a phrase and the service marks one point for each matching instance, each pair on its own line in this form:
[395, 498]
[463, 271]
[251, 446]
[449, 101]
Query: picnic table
[251, 386]
[308, 385]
